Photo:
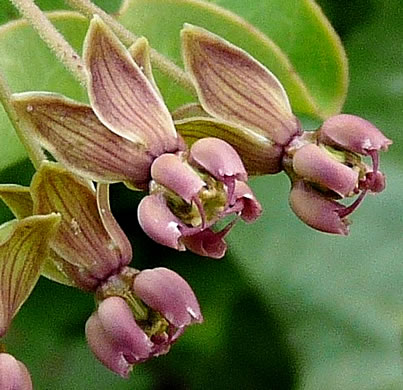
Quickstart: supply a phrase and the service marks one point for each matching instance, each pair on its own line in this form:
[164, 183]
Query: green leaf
[315, 79]
[338, 299]
[29, 65]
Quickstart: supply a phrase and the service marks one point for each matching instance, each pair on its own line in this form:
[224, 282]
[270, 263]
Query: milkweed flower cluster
[245, 104]
[194, 166]
[127, 134]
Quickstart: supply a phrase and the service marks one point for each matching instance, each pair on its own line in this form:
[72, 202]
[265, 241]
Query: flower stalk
[165, 65]
[53, 39]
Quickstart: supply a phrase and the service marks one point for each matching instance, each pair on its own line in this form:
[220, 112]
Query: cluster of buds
[242, 102]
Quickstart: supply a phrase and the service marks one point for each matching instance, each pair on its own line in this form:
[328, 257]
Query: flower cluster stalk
[52, 37]
[166, 66]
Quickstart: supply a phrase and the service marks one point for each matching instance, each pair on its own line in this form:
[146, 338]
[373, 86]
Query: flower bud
[352, 133]
[316, 210]
[13, 374]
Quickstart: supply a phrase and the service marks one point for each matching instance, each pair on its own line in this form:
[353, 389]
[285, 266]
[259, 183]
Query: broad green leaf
[22, 255]
[303, 33]
[313, 96]
[339, 298]
[29, 65]
[8, 11]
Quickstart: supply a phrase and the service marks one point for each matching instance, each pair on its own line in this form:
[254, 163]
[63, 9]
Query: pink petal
[13, 374]
[352, 133]
[159, 223]
[206, 243]
[82, 239]
[119, 324]
[104, 349]
[174, 173]
[316, 165]
[316, 210]
[218, 158]
[251, 208]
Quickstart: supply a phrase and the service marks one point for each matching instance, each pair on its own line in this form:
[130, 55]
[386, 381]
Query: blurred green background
[288, 307]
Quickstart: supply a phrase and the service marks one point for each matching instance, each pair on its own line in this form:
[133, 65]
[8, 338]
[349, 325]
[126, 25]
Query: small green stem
[165, 65]
[32, 147]
[52, 37]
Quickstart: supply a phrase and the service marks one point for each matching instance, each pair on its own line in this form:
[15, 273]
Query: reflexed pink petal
[13, 374]
[122, 97]
[82, 239]
[140, 52]
[159, 223]
[206, 243]
[233, 86]
[316, 210]
[75, 137]
[174, 173]
[259, 155]
[104, 349]
[165, 291]
[316, 165]
[24, 246]
[119, 324]
[352, 133]
[111, 226]
[251, 208]
[218, 158]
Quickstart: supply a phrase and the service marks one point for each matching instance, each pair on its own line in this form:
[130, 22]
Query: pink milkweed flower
[140, 314]
[128, 135]
[122, 333]
[242, 102]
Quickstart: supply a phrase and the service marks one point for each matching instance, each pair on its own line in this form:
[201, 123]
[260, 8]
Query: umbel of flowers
[242, 102]
[66, 231]
[127, 134]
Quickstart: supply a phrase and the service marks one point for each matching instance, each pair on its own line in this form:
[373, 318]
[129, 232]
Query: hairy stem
[55, 41]
[165, 65]
[32, 147]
